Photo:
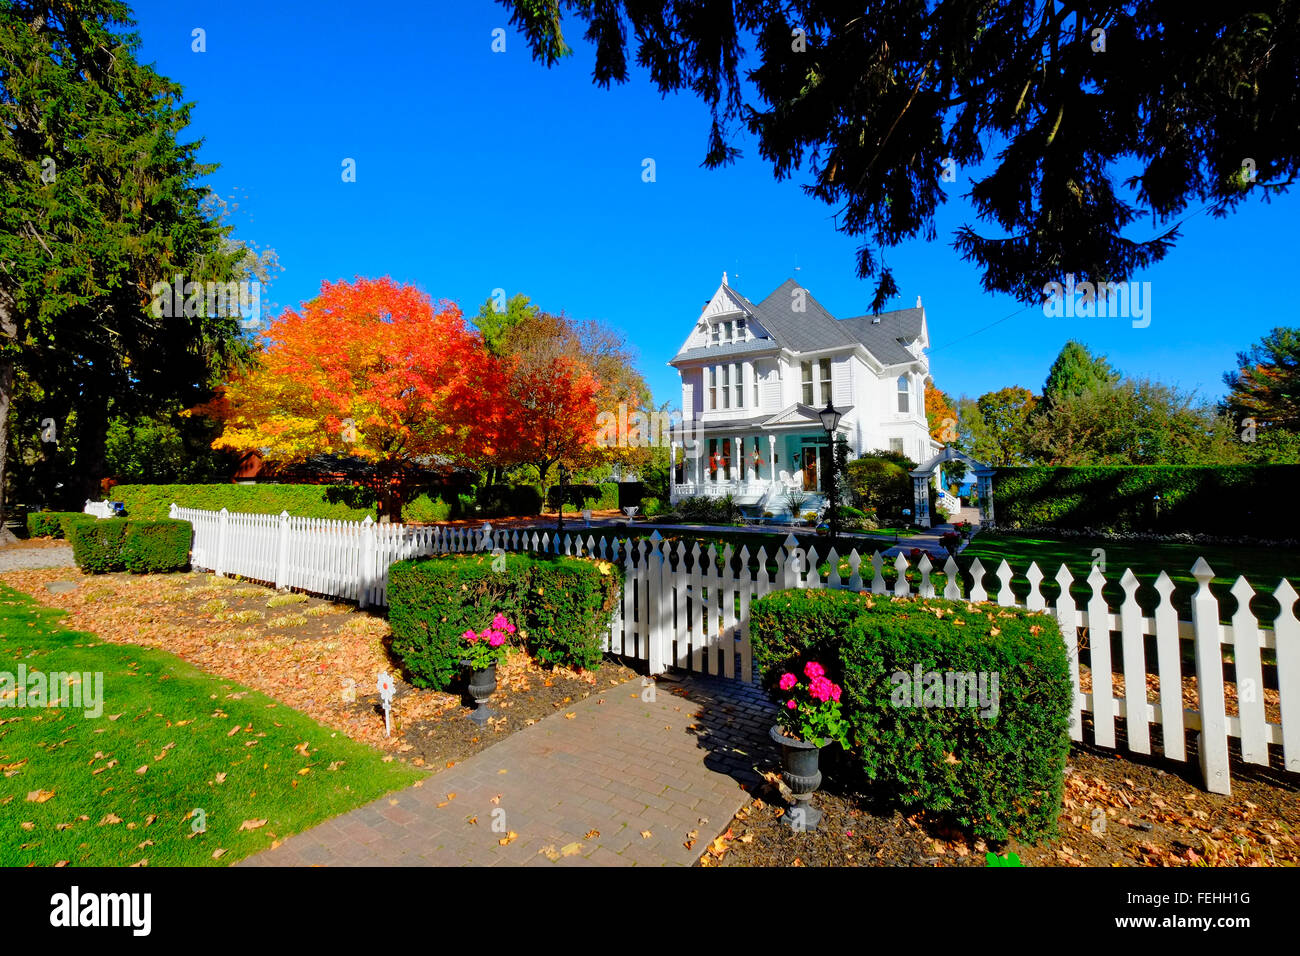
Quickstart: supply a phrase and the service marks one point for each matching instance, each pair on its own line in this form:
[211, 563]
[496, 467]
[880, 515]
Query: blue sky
[479, 170]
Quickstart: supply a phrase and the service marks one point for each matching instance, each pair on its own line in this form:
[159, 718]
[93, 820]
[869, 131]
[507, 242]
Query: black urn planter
[799, 760]
[481, 685]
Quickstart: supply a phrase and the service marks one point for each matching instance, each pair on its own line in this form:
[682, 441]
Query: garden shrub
[97, 545]
[49, 524]
[999, 770]
[1227, 500]
[569, 605]
[128, 544]
[425, 510]
[432, 601]
[561, 606]
[157, 547]
[350, 502]
[497, 501]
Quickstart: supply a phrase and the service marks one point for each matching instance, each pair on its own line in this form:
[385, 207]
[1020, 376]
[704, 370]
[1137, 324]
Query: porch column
[771, 457]
[738, 453]
[672, 471]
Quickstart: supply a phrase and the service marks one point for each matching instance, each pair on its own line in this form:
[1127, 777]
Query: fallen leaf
[569, 849]
[39, 796]
[646, 834]
[252, 824]
[507, 839]
[110, 818]
[217, 854]
[591, 834]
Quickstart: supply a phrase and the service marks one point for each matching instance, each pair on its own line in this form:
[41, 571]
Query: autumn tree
[370, 369]
[940, 414]
[1265, 386]
[1004, 420]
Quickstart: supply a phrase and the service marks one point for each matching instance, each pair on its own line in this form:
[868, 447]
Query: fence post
[171, 511]
[282, 555]
[790, 570]
[486, 543]
[1213, 742]
[224, 522]
[655, 624]
[367, 562]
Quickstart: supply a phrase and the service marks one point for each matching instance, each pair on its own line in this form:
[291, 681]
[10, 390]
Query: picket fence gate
[681, 608]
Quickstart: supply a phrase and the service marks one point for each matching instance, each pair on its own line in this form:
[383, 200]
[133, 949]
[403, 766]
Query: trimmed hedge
[1227, 500]
[127, 544]
[152, 502]
[997, 769]
[157, 547]
[559, 604]
[51, 524]
[97, 546]
[569, 605]
[497, 501]
[425, 510]
[432, 601]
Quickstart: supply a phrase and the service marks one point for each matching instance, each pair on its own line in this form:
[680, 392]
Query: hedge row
[1228, 500]
[51, 524]
[130, 544]
[602, 497]
[350, 502]
[997, 768]
[561, 606]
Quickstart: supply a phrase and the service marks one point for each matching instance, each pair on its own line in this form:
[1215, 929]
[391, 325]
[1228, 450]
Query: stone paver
[620, 766]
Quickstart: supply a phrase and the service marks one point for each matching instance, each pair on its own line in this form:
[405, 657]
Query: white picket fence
[681, 606]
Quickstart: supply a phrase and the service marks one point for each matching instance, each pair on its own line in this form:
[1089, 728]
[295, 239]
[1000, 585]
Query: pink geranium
[811, 710]
[791, 704]
[788, 681]
[813, 669]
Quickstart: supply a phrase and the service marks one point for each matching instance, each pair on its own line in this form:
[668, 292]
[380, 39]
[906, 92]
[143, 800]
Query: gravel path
[16, 557]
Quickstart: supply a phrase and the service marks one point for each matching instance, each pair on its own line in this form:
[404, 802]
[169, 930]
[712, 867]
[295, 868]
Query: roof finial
[918, 301]
[724, 278]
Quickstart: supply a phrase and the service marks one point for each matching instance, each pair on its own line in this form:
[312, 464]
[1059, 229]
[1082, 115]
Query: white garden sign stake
[385, 687]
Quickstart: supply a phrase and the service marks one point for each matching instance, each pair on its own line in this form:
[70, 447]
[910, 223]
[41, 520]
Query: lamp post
[831, 421]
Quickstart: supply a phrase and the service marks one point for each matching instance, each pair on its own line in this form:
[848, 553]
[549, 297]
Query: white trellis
[688, 606]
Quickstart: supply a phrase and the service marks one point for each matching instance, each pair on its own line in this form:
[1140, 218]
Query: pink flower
[791, 704]
[497, 639]
[835, 691]
[510, 628]
[820, 689]
[813, 669]
[500, 621]
[788, 681]
[470, 636]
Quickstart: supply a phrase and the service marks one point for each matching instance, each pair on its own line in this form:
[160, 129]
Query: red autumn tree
[369, 369]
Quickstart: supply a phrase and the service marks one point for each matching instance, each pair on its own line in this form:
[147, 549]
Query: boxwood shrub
[998, 770]
[97, 545]
[561, 606]
[157, 547]
[569, 605]
[50, 524]
[432, 601]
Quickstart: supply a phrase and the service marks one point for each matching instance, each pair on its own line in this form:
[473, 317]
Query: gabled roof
[813, 329]
[800, 414]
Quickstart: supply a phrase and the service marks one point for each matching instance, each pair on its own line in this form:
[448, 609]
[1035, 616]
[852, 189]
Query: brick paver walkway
[580, 790]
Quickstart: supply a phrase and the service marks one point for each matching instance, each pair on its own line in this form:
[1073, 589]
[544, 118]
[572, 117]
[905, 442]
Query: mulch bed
[1156, 814]
[318, 656]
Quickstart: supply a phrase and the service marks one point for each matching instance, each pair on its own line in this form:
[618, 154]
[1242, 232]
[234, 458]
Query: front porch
[758, 469]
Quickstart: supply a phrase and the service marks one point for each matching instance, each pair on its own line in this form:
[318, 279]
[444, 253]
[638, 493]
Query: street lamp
[831, 421]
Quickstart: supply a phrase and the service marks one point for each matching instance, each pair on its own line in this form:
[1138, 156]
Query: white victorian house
[755, 375]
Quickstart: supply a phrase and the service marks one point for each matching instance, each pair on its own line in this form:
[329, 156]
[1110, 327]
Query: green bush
[561, 606]
[998, 771]
[425, 510]
[129, 544]
[97, 545]
[605, 500]
[50, 524]
[157, 547]
[569, 605]
[349, 502]
[574, 496]
[1228, 500]
[499, 501]
[432, 601]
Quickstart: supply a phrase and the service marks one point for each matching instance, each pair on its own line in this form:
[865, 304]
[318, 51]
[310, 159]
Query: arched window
[904, 394]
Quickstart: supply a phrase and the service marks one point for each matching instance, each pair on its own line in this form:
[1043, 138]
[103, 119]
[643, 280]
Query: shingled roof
[815, 329]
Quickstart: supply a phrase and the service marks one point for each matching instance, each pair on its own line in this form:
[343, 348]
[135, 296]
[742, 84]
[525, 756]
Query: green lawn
[1263, 567]
[72, 786]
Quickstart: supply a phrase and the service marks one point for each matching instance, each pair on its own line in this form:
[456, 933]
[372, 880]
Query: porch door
[809, 464]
